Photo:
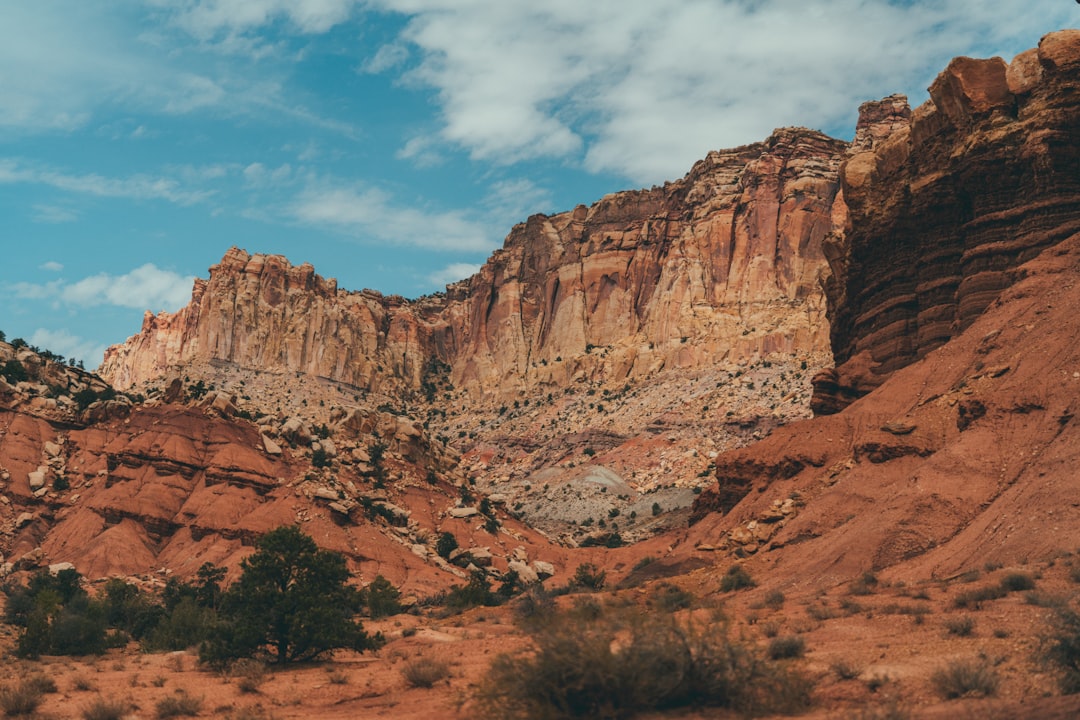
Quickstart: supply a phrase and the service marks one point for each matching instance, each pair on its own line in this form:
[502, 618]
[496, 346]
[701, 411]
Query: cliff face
[721, 264]
[946, 203]
[260, 312]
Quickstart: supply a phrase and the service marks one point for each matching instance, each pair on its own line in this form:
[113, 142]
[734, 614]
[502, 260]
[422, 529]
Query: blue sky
[393, 143]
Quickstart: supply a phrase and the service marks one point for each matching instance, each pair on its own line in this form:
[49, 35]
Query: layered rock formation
[944, 205]
[722, 264]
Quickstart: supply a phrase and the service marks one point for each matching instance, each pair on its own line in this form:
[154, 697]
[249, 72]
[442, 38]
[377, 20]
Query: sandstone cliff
[945, 204]
[720, 265]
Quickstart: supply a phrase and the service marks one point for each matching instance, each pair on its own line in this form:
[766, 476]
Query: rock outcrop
[722, 264]
[946, 203]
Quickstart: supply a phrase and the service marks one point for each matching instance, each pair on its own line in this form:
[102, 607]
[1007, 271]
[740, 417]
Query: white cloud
[51, 266]
[372, 214]
[135, 187]
[65, 343]
[510, 201]
[206, 18]
[386, 58]
[452, 273]
[145, 288]
[53, 214]
[422, 150]
[644, 89]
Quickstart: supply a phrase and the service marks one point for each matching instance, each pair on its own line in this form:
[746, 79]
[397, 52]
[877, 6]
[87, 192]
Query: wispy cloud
[65, 343]
[452, 273]
[145, 288]
[135, 187]
[644, 89]
[373, 215]
[53, 214]
[51, 266]
[206, 18]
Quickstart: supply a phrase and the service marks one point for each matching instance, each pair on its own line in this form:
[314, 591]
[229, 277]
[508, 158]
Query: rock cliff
[944, 203]
[720, 265]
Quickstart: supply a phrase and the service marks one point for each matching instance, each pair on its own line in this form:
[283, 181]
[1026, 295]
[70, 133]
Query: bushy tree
[381, 598]
[291, 604]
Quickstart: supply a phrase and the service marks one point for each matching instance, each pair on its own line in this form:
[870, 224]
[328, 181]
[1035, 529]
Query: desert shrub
[658, 663]
[669, 598]
[774, 599]
[846, 669]
[535, 606]
[337, 677]
[106, 709]
[424, 672]
[589, 578]
[789, 646]
[20, 699]
[965, 678]
[14, 372]
[821, 612]
[962, 626]
[864, 584]
[1017, 582]
[1060, 649]
[178, 705]
[187, 625]
[736, 578]
[473, 594]
[41, 682]
[974, 599]
[445, 545]
[250, 674]
[381, 598]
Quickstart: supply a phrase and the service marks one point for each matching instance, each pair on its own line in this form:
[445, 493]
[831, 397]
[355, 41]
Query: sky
[394, 143]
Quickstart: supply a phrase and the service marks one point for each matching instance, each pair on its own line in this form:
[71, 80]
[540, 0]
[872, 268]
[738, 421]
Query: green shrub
[1017, 582]
[445, 545]
[578, 671]
[425, 672]
[381, 598]
[736, 578]
[475, 593]
[789, 646]
[588, 577]
[14, 372]
[965, 678]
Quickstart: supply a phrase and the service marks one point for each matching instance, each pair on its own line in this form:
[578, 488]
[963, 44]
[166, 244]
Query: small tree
[446, 544]
[291, 603]
[381, 598]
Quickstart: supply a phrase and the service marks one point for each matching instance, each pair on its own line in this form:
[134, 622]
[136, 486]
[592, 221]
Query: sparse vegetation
[20, 699]
[106, 709]
[659, 663]
[788, 646]
[589, 578]
[736, 578]
[179, 705]
[1060, 649]
[962, 626]
[965, 678]
[1017, 582]
[425, 672]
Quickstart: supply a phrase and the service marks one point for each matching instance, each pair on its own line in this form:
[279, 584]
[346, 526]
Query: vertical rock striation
[945, 203]
[721, 265]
